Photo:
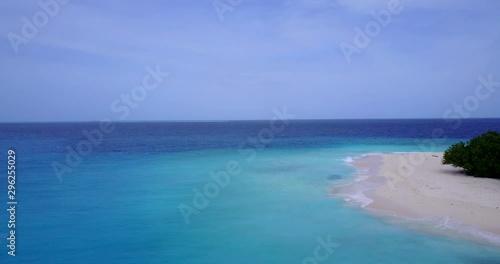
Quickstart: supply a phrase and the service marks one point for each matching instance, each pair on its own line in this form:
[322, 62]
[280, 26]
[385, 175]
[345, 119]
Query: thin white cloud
[365, 6]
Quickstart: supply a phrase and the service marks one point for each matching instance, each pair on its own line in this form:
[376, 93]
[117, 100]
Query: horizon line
[242, 120]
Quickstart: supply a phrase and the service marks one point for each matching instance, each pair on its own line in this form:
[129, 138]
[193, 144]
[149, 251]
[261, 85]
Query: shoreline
[416, 188]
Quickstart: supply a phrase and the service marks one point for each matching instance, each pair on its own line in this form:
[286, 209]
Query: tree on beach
[479, 157]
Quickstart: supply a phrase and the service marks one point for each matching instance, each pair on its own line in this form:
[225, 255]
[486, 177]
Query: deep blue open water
[135, 196]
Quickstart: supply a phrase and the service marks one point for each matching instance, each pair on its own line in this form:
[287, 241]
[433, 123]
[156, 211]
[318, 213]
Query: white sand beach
[418, 186]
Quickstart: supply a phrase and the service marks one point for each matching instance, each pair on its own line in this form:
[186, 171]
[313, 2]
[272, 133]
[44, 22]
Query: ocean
[215, 192]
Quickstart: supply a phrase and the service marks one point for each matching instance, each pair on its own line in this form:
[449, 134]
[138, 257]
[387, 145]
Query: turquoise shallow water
[121, 205]
[280, 206]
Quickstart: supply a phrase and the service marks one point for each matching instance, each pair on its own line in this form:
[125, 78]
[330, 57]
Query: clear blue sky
[265, 54]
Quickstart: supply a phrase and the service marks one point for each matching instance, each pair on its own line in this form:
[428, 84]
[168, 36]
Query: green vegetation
[479, 157]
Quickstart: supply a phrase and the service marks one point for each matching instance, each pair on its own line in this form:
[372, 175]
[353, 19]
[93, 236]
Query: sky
[239, 59]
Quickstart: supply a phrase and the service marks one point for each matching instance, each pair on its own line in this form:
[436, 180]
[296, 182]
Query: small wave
[372, 154]
[450, 227]
[357, 199]
[362, 199]
[348, 160]
[354, 192]
[351, 159]
[469, 230]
